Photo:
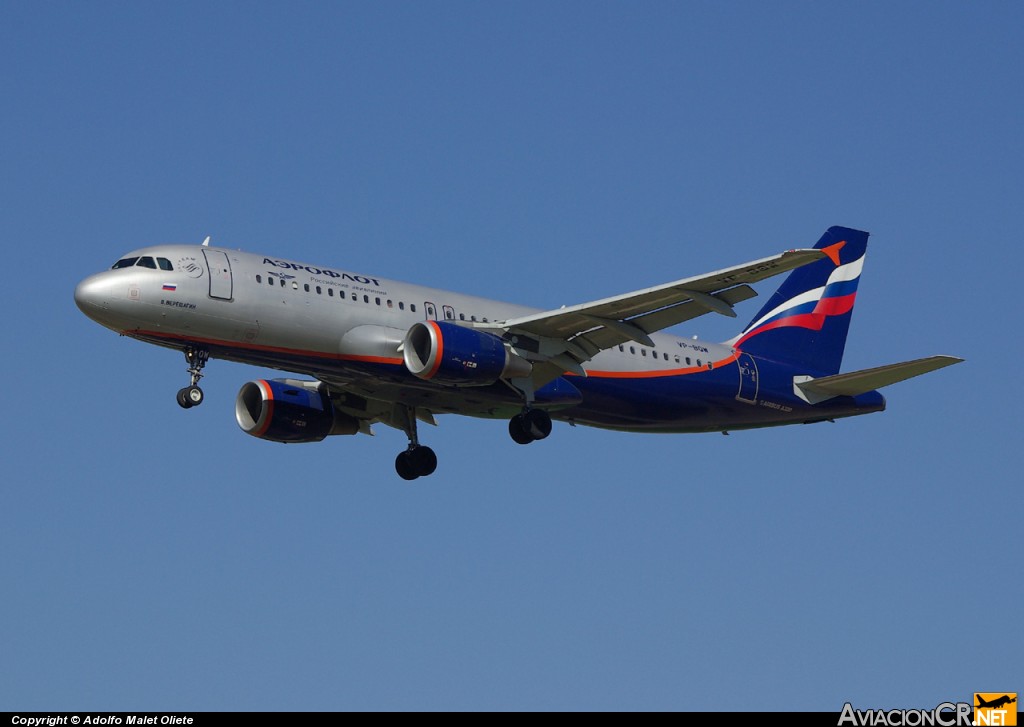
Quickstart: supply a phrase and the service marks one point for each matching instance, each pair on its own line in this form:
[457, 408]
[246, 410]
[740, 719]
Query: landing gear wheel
[424, 461]
[530, 426]
[537, 422]
[415, 462]
[404, 466]
[194, 395]
[189, 397]
[517, 431]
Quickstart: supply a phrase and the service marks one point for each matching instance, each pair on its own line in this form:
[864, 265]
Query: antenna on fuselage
[206, 242]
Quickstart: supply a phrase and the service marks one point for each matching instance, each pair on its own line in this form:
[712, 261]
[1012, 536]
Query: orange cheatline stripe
[269, 349]
[661, 373]
[658, 374]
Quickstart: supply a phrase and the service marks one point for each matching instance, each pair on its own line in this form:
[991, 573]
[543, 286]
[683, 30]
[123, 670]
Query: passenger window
[412, 307]
[632, 350]
[147, 262]
[126, 262]
[643, 352]
[390, 304]
[164, 263]
[330, 292]
[295, 285]
[318, 291]
[306, 286]
[282, 282]
[366, 299]
[699, 362]
[687, 360]
[621, 349]
[462, 316]
[341, 294]
[259, 279]
[401, 305]
[377, 301]
[666, 356]
[677, 359]
[473, 318]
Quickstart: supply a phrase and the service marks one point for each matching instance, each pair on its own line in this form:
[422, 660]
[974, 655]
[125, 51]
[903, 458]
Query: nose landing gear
[192, 395]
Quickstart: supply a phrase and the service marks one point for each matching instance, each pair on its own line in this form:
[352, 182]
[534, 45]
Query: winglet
[833, 252]
[206, 242]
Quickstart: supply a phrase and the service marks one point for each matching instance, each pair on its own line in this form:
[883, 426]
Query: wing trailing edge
[860, 382]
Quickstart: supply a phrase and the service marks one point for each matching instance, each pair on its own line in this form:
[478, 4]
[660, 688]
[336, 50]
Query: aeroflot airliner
[377, 350]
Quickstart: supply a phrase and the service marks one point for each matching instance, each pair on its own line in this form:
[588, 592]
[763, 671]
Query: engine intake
[456, 355]
[285, 410]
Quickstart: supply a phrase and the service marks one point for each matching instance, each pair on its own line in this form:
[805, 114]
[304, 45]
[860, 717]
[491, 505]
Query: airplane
[381, 351]
[995, 703]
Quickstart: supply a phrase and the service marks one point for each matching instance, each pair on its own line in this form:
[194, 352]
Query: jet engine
[290, 411]
[456, 355]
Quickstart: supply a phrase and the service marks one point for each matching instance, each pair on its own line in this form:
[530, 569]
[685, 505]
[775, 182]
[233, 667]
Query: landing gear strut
[529, 426]
[417, 460]
[192, 395]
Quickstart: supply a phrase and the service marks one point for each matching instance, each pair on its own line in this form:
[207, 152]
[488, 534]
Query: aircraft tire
[423, 460]
[183, 400]
[537, 423]
[404, 466]
[517, 430]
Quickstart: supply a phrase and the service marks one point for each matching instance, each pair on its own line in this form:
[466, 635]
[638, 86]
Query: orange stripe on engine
[440, 350]
[268, 415]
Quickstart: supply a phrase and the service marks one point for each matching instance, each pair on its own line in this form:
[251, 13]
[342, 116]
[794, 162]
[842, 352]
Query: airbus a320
[379, 351]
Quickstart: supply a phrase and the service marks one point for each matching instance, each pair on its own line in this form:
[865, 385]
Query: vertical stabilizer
[806, 321]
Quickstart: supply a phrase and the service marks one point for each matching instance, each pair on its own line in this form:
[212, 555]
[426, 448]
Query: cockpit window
[144, 262]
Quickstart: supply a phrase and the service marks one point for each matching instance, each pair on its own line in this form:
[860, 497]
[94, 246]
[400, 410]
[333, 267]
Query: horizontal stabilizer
[860, 382]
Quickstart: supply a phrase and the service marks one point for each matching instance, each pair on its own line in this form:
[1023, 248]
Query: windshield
[143, 262]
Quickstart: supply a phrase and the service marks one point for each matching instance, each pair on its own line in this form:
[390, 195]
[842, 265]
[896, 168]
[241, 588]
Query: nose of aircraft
[91, 295]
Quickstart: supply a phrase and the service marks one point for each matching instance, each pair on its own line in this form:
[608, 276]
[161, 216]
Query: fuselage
[346, 328]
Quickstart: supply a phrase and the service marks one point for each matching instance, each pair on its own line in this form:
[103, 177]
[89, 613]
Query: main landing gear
[192, 395]
[529, 426]
[417, 460]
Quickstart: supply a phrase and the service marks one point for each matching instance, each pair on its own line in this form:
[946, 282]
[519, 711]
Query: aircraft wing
[567, 337]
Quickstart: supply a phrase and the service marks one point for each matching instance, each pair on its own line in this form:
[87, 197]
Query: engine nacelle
[456, 355]
[286, 410]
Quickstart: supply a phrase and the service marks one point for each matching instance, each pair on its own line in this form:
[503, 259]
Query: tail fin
[807, 319]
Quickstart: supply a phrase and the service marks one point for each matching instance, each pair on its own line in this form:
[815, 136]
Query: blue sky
[543, 153]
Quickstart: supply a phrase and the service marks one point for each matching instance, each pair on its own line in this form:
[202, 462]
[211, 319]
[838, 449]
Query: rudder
[806, 321]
